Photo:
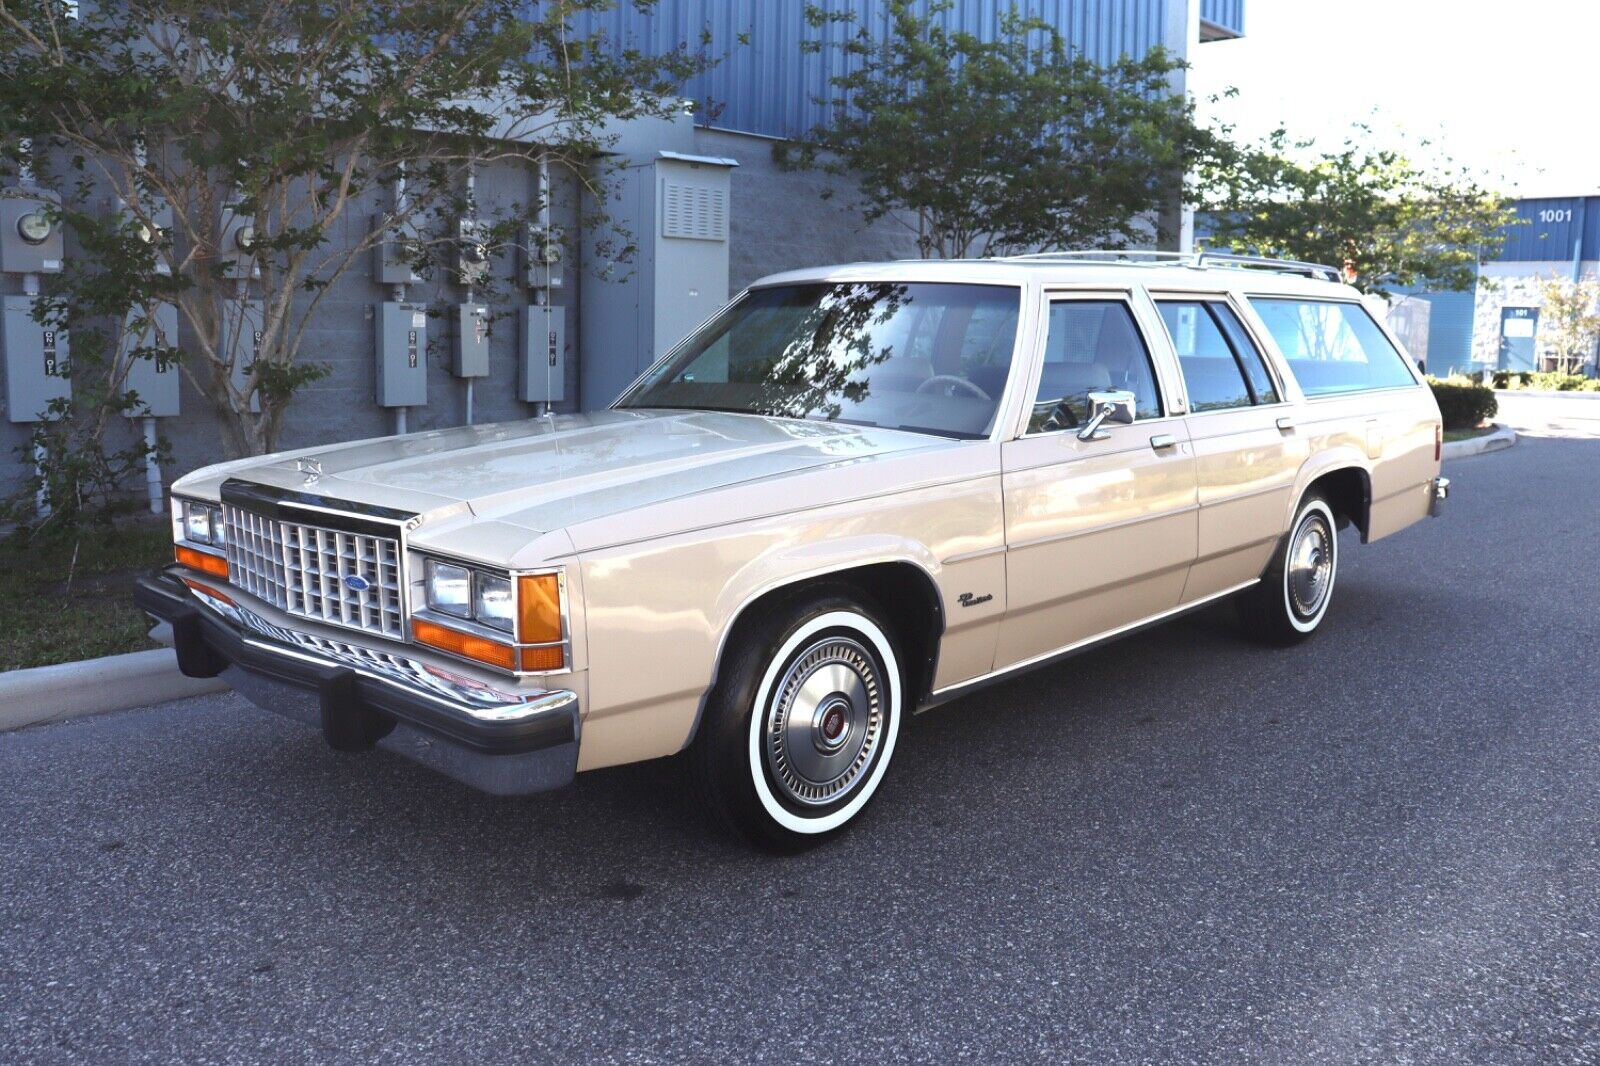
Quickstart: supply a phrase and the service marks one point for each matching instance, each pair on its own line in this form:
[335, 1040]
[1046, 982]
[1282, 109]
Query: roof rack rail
[1195, 260]
[1320, 271]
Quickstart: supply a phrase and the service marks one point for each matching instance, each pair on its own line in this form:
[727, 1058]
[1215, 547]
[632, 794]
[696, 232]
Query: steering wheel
[961, 384]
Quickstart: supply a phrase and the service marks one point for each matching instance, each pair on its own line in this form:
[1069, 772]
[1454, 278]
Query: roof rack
[1194, 260]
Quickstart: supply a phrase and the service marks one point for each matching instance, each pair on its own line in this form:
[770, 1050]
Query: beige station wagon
[854, 493]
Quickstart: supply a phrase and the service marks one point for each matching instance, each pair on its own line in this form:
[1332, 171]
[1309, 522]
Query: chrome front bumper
[1438, 492]
[506, 741]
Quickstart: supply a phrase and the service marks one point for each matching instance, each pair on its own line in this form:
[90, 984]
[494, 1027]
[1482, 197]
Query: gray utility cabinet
[472, 341]
[677, 206]
[36, 361]
[154, 379]
[402, 334]
[544, 354]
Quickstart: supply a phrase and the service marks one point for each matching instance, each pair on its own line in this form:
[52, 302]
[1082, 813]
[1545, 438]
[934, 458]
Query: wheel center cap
[832, 724]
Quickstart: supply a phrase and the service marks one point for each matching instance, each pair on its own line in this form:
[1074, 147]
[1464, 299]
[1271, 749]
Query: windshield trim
[1022, 347]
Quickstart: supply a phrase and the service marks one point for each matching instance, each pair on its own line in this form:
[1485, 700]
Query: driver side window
[1091, 346]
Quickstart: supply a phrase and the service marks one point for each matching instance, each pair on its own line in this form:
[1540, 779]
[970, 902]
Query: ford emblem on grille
[357, 583]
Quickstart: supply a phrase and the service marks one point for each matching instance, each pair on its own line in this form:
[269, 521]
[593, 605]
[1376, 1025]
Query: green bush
[1463, 404]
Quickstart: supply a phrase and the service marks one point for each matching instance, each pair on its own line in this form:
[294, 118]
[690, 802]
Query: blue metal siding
[1550, 229]
[1226, 14]
[1450, 318]
[768, 86]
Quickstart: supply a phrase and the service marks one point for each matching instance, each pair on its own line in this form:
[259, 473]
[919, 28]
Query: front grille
[305, 570]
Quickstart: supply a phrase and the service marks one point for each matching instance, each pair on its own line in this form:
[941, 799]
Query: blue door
[1518, 327]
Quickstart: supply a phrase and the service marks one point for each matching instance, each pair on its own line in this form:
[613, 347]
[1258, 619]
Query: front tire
[801, 725]
[1294, 593]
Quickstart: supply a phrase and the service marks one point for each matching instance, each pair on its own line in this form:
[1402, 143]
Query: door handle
[1163, 441]
[1285, 423]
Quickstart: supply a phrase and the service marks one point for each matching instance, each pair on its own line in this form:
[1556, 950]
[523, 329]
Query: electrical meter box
[238, 238]
[543, 260]
[36, 361]
[394, 257]
[472, 248]
[158, 229]
[241, 333]
[31, 239]
[544, 354]
[154, 377]
[402, 355]
[472, 342]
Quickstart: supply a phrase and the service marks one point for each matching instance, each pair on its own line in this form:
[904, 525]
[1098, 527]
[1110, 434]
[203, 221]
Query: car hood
[548, 473]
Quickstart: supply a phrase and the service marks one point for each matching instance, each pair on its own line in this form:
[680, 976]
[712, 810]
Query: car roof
[1207, 272]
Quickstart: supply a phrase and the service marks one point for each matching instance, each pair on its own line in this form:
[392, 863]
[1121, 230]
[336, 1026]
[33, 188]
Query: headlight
[493, 604]
[448, 588]
[527, 608]
[201, 523]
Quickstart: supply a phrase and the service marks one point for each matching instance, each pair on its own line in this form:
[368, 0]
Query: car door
[1246, 447]
[1099, 533]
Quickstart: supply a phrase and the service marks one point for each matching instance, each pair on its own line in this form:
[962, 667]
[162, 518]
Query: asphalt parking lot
[1383, 845]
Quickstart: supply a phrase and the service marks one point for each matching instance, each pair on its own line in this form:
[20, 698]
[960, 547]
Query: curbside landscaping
[1502, 437]
[95, 686]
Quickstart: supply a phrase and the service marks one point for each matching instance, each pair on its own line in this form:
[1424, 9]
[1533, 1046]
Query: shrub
[1463, 404]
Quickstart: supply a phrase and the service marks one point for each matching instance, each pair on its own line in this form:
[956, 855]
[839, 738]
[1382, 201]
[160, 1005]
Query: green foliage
[292, 113]
[1387, 220]
[1569, 322]
[1543, 381]
[1464, 404]
[988, 147]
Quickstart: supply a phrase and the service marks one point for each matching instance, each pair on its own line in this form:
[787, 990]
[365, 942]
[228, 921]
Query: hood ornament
[310, 469]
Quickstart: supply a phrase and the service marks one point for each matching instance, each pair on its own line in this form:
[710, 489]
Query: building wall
[1512, 284]
[763, 82]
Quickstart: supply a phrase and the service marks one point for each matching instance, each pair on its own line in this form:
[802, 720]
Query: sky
[1510, 88]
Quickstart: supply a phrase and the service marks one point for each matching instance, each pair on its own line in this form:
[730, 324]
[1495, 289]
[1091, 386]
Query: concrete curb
[1502, 437]
[95, 686]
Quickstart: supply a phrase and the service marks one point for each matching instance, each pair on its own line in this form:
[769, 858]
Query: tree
[1569, 322]
[249, 140]
[989, 147]
[1386, 220]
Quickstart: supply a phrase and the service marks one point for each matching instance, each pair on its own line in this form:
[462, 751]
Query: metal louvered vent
[344, 579]
[694, 212]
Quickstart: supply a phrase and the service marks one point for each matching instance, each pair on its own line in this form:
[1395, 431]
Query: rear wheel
[802, 722]
[1293, 596]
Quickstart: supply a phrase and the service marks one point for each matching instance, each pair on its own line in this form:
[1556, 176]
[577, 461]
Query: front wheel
[1293, 596]
[802, 722]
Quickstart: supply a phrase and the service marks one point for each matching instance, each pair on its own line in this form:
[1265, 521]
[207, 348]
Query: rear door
[1247, 449]
[1099, 534]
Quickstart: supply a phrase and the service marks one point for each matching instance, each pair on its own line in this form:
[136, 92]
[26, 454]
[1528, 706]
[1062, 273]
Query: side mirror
[1111, 406]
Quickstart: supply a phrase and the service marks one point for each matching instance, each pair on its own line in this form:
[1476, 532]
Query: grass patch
[1466, 434]
[44, 619]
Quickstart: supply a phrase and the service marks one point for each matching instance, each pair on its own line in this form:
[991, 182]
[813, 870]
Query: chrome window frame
[1269, 357]
[1173, 403]
[1417, 379]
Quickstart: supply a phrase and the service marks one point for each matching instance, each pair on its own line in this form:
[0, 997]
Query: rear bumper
[1438, 492]
[507, 742]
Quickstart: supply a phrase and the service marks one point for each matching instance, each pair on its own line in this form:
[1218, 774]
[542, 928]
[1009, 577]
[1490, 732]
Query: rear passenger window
[1332, 347]
[1255, 368]
[1091, 346]
[1210, 370]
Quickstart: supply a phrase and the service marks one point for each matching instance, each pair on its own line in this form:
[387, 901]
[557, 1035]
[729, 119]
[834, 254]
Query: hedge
[1463, 404]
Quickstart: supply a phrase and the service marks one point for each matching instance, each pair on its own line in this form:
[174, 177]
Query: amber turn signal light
[551, 658]
[466, 645]
[205, 562]
[538, 611]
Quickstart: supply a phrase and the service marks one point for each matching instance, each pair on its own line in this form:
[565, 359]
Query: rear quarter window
[1331, 346]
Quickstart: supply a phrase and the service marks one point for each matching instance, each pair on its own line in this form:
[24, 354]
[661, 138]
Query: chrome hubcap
[1311, 566]
[825, 722]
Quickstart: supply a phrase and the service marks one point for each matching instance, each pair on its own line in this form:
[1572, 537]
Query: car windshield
[931, 358]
